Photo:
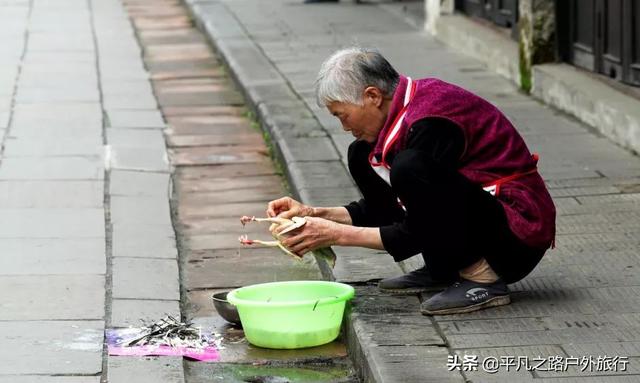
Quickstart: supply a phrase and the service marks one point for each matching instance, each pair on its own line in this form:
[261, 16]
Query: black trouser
[457, 221]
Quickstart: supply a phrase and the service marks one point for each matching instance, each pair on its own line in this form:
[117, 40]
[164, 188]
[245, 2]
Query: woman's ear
[374, 96]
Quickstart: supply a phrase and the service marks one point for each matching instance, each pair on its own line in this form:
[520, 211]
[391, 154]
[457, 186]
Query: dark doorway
[604, 37]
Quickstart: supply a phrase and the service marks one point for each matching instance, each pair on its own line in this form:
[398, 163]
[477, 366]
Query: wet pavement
[223, 170]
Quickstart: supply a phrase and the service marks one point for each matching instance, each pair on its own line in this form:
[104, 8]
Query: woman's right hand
[287, 207]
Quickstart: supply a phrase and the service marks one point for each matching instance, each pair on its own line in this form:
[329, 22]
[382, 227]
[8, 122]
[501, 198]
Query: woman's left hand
[316, 233]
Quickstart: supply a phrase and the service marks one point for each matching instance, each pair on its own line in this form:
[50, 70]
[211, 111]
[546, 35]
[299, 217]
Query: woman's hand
[287, 207]
[315, 234]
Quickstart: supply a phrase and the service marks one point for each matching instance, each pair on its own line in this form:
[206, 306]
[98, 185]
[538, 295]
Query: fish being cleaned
[287, 226]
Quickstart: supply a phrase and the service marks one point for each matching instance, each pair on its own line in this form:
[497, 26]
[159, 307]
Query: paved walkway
[582, 301]
[86, 238]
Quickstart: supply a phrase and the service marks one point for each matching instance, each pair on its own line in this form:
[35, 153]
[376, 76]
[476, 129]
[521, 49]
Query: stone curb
[488, 46]
[610, 111]
[313, 167]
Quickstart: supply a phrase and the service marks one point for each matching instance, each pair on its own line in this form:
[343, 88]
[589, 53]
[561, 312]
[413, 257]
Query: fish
[287, 226]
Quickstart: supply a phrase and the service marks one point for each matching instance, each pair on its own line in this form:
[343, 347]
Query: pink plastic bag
[117, 337]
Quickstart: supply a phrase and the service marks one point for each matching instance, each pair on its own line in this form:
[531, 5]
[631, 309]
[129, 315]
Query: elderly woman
[442, 172]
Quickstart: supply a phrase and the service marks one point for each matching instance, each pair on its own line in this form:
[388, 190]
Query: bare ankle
[480, 272]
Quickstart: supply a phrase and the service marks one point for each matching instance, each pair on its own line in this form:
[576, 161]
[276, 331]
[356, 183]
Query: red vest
[494, 152]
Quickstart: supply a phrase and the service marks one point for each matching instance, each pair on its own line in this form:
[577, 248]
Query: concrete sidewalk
[582, 301]
[86, 239]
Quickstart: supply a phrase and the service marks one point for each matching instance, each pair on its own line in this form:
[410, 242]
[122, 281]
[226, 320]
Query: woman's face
[363, 121]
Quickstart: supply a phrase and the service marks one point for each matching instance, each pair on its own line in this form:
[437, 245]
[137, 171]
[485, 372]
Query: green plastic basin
[292, 314]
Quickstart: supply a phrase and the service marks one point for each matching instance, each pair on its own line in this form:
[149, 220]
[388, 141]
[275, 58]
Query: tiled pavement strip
[583, 298]
[223, 171]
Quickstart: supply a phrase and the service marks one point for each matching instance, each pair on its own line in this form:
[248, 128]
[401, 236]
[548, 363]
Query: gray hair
[344, 76]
